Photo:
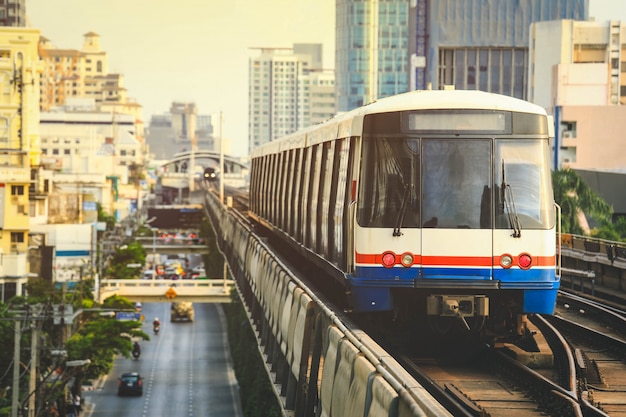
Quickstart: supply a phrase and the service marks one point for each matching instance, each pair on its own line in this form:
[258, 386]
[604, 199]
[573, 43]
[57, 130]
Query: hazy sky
[198, 50]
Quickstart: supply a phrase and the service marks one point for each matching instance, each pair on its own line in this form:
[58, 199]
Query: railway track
[597, 335]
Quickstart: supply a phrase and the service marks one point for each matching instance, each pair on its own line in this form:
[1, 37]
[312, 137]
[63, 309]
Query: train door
[457, 241]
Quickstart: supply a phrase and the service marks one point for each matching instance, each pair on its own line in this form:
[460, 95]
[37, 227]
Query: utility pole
[32, 383]
[15, 399]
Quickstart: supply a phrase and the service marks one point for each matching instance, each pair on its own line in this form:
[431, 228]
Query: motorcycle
[156, 329]
[136, 352]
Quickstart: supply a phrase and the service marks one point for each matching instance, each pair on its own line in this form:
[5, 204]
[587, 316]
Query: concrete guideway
[158, 290]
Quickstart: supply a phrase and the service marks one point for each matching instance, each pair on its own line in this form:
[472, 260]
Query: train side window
[390, 183]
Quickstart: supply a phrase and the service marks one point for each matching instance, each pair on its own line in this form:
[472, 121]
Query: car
[198, 272]
[130, 383]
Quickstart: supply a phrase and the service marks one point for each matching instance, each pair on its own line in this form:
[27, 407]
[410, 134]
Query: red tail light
[525, 261]
[389, 259]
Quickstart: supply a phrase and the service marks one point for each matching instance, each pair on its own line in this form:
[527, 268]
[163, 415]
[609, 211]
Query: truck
[181, 311]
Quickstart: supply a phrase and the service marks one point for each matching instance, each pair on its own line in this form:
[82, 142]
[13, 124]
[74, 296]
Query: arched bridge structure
[186, 169]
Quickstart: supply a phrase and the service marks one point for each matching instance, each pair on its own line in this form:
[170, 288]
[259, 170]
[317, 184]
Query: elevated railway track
[299, 332]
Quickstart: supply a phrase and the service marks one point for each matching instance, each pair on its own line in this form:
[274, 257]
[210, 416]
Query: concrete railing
[306, 345]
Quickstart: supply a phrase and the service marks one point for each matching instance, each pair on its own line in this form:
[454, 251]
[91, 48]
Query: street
[186, 370]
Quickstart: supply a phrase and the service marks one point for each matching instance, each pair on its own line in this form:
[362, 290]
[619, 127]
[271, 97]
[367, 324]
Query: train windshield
[451, 182]
[457, 183]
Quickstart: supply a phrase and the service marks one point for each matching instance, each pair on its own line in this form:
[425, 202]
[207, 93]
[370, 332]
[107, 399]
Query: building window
[17, 190]
[496, 70]
[4, 131]
[17, 237]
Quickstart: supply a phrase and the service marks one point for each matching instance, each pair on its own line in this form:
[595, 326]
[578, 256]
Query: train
[434, 204]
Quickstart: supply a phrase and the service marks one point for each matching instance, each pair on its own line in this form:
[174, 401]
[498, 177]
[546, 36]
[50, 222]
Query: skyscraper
[478, 45]
[371, 51]
[386, 47]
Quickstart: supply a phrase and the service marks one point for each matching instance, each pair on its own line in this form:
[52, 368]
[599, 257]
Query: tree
[101, 338]
[577, 200]
[130, 254]
[105, 217]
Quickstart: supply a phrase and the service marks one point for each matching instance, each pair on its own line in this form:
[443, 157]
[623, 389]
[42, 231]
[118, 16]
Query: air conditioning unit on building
[14, 247]
[15, 199]
[568, 134]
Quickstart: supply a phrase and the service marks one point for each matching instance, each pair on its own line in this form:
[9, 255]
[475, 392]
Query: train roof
[349, 123]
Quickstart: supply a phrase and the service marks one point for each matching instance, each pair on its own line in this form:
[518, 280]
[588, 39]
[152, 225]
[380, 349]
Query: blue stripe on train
[403, 275]
[371, 285]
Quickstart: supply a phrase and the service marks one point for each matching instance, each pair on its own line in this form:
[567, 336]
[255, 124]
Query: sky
[197, 50]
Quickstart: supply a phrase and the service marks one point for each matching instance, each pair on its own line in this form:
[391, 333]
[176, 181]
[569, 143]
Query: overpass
[174, 246]
[165, 290]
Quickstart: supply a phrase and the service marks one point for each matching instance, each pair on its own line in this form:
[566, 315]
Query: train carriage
[439, 201]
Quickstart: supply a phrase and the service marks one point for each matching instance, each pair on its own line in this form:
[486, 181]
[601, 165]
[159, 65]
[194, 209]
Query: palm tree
[577, 201]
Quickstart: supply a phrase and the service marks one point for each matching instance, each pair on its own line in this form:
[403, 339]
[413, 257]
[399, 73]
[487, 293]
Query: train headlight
[389, 259]
[407, 259]
[525, 260]
[506, 261]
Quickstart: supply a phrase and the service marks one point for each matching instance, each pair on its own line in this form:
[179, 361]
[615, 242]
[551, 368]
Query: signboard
[127, 316]
[170, 293]
[176, 217]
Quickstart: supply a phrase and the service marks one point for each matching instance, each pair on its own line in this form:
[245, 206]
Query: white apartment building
[322, 95]
[280, 85]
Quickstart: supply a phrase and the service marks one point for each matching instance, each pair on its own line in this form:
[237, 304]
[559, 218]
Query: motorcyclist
[156, 324]
[136, 349]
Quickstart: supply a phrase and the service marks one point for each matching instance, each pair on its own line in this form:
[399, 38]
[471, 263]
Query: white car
[199, 270]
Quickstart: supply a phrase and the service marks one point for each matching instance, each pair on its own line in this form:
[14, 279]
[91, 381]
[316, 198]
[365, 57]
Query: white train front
[429, 202]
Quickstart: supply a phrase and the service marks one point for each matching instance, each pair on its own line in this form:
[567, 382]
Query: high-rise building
[322, 95]
[182, 129]
[479, 45]
[393, 46]
[13, 13]
[579, 75]
[19, 153]
[82, 73]
[281, 86]
[371, 50]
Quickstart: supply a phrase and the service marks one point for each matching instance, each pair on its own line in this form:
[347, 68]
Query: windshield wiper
[508, 203]
[402, 211]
